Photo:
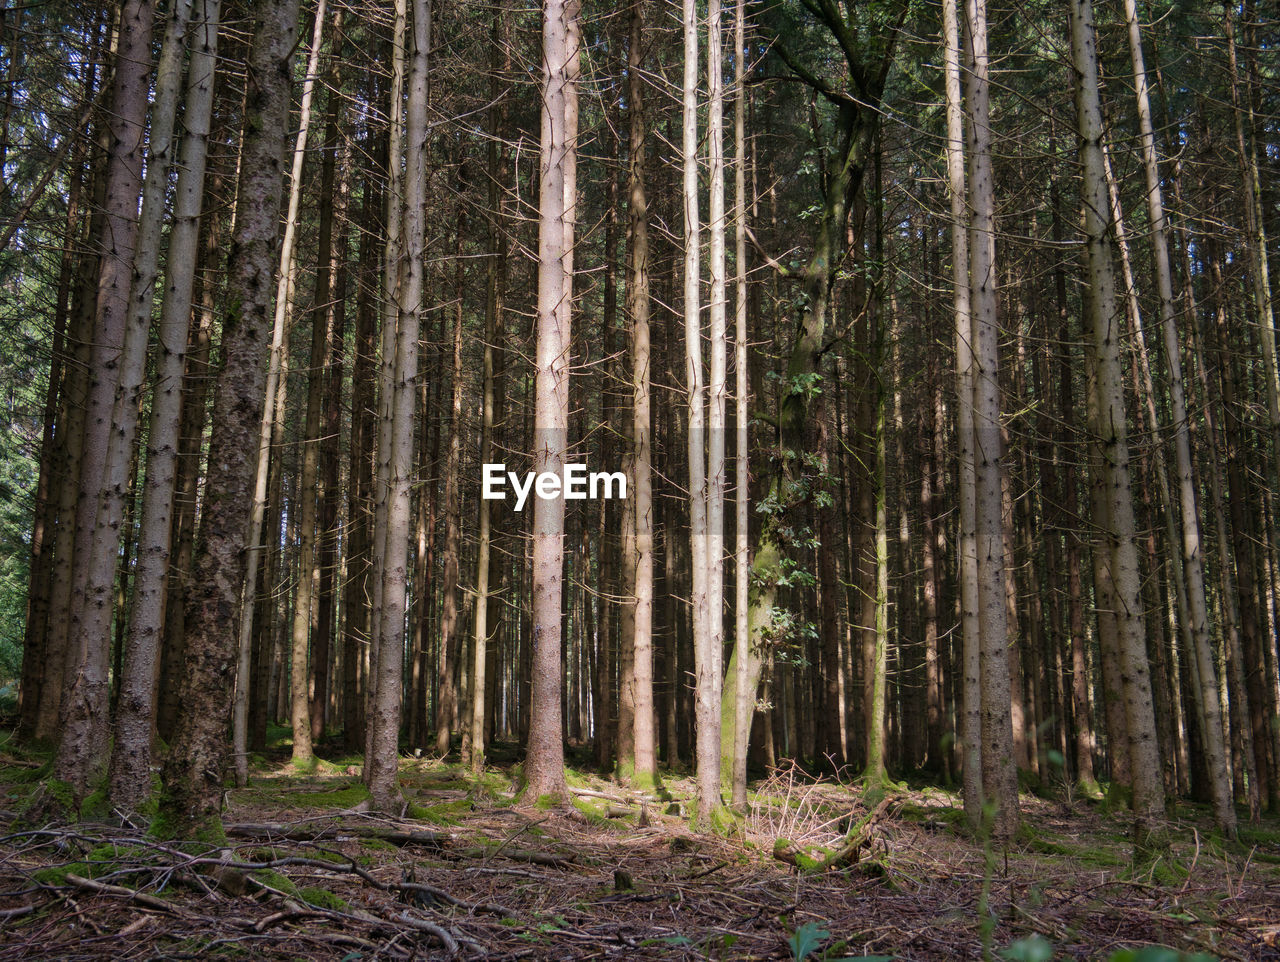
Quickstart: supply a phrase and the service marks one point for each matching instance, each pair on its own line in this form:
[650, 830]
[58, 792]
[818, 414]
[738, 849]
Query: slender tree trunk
[130, 778]
[446, 705]
[193, 770]
[999, 767]
[1111, 440]
[359, 525]
[1192, 555]
[971, 728]
[83, 715]
[305, 495]
[557, 201]
[329, 312]
[707, 787]
[393, 260]
[384, 721]
[743, 696]
[641, 496]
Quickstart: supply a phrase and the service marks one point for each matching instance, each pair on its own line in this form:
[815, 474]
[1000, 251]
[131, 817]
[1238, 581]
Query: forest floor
[466, 873]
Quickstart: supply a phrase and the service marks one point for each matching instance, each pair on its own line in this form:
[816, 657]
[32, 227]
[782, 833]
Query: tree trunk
[644, 773]
[193, 769]
[971, 726]
[999, 767]
[743, 697]
[446, 704]
[83, 715]
[1192, 554]
[384, 720]
[130, 776]
[1111, 442]
[557, 202]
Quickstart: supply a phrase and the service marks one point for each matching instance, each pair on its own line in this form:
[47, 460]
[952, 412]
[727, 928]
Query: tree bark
[83, 714]
[999, 767]
[1110, 439]
[557, 200]
[384, 720]
[645, 769]
[193, 769]
[130, 776]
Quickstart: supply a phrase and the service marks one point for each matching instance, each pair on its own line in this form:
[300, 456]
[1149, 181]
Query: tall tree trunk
[999, 767]
[446, 704]
[482, 655]
[707, 787]
[1111, 441]
[193, 770]
[83, 716]
[329, 312]
[384, 719]
[130, 779]
[971, 727]
[557, 201]
[743, 697]
[644, 773]
[305, 494]
[1192, 555]
[359, 524]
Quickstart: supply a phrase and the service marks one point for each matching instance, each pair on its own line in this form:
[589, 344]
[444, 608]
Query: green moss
[21, 775]
[596, 811]
[168, 824]
[488, 784]
[61, 794]
[324, 899]
[446, 813]
[276, 881]
[57, 874]
[97, 805]
[378, 844]
[723, 821]
[346, 797]
[279, 736]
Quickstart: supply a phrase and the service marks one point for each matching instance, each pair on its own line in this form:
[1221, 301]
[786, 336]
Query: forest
[732, 479]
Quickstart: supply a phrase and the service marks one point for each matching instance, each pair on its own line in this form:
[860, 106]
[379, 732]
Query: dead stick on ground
[443, 896]
[142, 898]
[448, 941]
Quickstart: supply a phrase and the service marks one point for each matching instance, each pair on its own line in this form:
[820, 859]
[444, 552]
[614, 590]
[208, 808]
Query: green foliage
[806, 940]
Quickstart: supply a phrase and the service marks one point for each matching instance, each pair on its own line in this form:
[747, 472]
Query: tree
[644, 771]
[744, 698]
[130, 779]
[83, 718]
[192, 771]
[557, 200]
[384, 718]
[1117, 552]
[999, 769]
[1192, 555]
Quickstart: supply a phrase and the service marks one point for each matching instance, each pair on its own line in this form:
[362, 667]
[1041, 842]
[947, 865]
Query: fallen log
[295, 833]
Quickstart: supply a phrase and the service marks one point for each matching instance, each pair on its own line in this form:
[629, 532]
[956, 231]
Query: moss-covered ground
[617, 873]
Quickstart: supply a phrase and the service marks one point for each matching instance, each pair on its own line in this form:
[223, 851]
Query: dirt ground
[465, 873]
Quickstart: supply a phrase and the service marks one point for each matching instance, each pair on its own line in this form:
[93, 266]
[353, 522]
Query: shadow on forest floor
[619, 875]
